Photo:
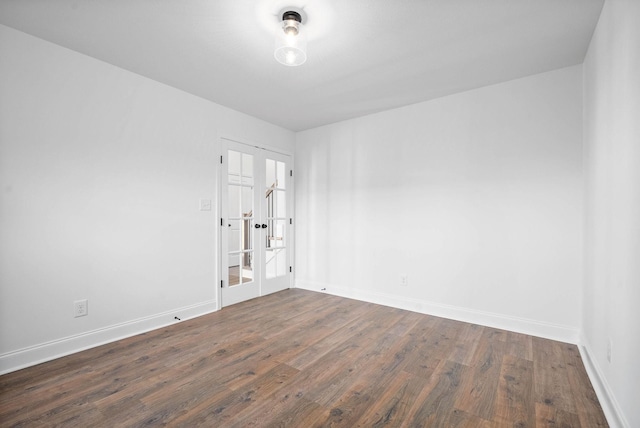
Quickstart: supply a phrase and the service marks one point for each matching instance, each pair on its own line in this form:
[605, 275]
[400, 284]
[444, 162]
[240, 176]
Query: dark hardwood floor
[303, 359]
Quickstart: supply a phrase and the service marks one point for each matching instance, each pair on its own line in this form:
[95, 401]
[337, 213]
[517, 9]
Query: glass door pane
[276, 217]
[240, 217]
[240, 220]
[239, 197]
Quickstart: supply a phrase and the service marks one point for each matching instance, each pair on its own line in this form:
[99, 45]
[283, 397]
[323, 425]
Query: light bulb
[290, 27]
[290, 57]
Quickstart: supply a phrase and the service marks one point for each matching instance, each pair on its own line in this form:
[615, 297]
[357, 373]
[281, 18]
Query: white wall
[101, 171]
[612, 167]
[476, 196]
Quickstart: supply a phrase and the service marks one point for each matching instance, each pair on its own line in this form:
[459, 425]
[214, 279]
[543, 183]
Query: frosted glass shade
[291, 48]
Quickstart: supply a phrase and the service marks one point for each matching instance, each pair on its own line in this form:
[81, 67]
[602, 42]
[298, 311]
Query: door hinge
[290, 173]
[220, 159]
[290, 221]
[221, 221]
[221, 284]
[289, 268]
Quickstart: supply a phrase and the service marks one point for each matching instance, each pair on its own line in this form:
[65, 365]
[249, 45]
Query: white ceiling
[364, 56]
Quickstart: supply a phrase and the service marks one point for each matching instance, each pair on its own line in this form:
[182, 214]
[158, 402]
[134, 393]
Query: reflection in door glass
[235, 235]
[275, 236]
[270, 177]
[276, 262]
[234, 268]
[270, 263]
[247, 202]
[275, 174]
[234, 200]
[280, 173]
[281, 262]
[247, 169]
[234, 166]
[281, 204]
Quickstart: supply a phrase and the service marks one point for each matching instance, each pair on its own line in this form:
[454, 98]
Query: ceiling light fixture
[291, 40]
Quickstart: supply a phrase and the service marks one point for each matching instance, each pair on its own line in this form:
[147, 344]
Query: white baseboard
[608, 402]
[489, 319]
[16, 360]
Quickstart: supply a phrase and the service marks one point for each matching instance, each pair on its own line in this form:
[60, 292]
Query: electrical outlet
[80, 308]
[404, 279]
[609, 346]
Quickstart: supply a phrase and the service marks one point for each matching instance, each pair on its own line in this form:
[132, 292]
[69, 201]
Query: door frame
[218, 248]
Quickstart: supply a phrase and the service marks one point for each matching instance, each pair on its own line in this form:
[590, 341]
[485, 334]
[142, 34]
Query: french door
[255, 220]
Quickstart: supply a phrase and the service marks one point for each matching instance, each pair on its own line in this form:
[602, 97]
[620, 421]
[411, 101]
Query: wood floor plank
[479, 385]
[303, 359]
[551, 378]
[437, 399]
[392, 406]
[304, 413]
[520, 345]
[431, 343]
[515, 393]
[461, 419]
[466, 344]
[406, 323]
[550, 417]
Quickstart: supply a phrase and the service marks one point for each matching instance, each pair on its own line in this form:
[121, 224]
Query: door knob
[257, 226]
[264, 226]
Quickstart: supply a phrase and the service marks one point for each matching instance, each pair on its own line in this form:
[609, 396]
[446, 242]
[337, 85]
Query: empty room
[419, 213]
